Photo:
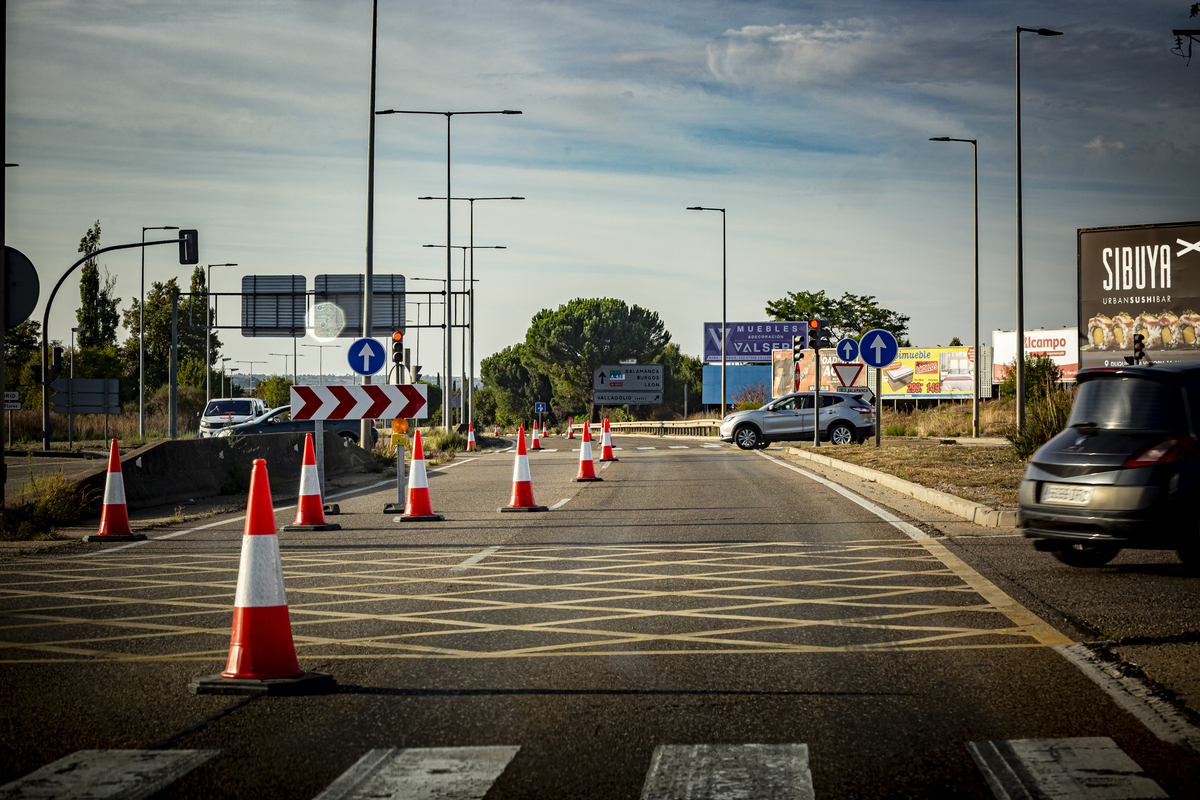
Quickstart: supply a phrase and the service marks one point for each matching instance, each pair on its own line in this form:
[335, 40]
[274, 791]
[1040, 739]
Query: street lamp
[723, 304]
[223, 360]
[208, 321]
[978, 377]
[286, 356]
[142, 332]
[320, 359]
[470, 400]
[469, 288]
[1020, 243]
[251, 364]
[449, 194]
[231, 371]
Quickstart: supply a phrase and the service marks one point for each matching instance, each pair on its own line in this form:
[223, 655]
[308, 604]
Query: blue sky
[808, 121]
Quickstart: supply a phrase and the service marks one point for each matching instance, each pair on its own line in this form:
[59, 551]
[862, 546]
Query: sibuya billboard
[1139, 279]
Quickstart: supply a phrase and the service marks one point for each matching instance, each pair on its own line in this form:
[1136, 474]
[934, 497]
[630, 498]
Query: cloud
[793, 54]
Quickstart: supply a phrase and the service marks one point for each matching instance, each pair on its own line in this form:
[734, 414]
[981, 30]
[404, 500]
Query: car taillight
[1174, 448]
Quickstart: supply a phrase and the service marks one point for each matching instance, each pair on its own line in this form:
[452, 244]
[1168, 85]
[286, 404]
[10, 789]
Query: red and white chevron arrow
[382, 401]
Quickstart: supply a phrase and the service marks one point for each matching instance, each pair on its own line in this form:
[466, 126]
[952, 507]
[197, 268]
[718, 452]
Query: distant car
[279, 420]
[1125, 472]
[225, 411]
[845, 418]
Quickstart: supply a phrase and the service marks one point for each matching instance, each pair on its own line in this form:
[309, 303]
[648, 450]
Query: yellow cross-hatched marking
[523, 601]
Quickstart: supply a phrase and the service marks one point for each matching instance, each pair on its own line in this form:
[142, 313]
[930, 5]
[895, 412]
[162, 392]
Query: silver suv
[845, 418]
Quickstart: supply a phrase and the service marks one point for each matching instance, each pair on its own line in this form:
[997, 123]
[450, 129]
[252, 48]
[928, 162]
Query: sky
[808, 121]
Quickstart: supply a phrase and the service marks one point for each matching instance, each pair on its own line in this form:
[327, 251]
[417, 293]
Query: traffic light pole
[817, 398]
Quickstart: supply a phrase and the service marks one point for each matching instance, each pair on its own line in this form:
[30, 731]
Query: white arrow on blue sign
[847, 349]
[366, 356]
[540, 408]
[879, 348]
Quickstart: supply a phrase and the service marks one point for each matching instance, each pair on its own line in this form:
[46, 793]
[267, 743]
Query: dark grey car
[279, 420]
[1124, 473]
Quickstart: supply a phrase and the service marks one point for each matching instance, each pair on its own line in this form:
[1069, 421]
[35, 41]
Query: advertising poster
[1139, 280]
[750, 342]
[806, 373]
[783, 373]
[945, 373]
[1060, 345]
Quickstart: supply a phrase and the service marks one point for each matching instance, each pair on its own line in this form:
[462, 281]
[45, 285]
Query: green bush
[449, 442]
[1044, 419]
[55, 502]
[895, 429]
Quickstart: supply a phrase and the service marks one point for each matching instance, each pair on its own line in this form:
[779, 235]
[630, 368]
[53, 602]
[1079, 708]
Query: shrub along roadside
[1044, 419]
[54, 502]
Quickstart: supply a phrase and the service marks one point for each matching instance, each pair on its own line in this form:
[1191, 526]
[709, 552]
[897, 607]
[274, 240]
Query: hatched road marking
[426, 773]
[1070, 769]
[89, 774]
[730, 771]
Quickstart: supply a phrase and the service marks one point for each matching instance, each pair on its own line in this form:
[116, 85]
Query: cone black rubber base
[507, 509]
[393, 508]
[304, 683]
[122, 537]
[608, 459]
[328, 526]
[585, 480]
[428, 518]
[332, 508]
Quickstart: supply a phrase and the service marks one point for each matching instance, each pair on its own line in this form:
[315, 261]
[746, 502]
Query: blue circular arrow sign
[879, 348]
[847, 349]
[366, 356]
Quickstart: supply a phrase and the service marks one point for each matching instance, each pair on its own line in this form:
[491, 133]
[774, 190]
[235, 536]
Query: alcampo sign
[1139, 279]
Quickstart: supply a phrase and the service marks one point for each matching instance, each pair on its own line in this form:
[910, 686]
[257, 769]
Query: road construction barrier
[522, 490]
[418, 507]
[587, 468]
[310, 509]
[114, 518]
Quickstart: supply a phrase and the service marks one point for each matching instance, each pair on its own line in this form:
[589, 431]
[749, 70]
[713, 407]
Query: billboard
[1060, 345]
[930, 373]
[1139, 279]
[750, 342]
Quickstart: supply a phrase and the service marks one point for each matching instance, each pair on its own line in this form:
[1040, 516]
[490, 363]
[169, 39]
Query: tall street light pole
[447, 115]
[286, 356]
[250, 385]
[471, 303]
[975, 399]
[142, 332]
[208, 322]
[1020, 240]
[723, 303]
[321, 359]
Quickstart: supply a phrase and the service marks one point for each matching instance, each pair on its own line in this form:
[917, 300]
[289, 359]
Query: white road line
[428, 773]
[87, 774]
[677, 447]
[606, 465]
[453, 463]
[549, 449]
[710, 445]
[1135, 697]
[908, 530]
[1062, 769]
[475, 559]
[645, 448]
[560, 503]
[729, 771]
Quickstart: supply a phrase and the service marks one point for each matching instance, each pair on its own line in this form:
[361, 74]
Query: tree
[191, 315]
[680, 370]
[97, 314]
[851, 316]
[22, 350]
[1041, 376]
[275, 391]
[515, 385]
[955, 342]
[570, 343]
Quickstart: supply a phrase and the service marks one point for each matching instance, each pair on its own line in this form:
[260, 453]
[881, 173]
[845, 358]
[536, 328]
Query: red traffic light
[814, 324]
[397, 336]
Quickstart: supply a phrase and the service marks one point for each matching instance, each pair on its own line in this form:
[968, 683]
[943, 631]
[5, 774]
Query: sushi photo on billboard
[1139, 279]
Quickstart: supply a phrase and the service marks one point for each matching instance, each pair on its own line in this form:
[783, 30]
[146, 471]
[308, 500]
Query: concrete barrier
[174, 471]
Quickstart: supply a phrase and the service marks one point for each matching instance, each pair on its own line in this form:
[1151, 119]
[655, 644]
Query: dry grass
[951, 418]
[89, 428]
[988, 474]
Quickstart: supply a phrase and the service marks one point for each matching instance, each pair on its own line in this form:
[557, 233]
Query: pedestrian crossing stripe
[1070, 769]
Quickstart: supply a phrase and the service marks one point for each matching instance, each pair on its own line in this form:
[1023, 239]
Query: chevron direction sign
[382, 401]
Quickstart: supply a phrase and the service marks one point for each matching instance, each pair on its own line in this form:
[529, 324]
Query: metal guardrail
[691, 427]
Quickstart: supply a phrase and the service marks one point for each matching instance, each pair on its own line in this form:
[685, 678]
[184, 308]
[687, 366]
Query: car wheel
[1078, 554]
[350, 437]
[841, 434]
[747, 437]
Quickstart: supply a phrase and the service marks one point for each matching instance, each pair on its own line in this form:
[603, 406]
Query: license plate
[1059, 494]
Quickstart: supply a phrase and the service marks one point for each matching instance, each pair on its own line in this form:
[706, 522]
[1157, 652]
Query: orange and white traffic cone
[262, 655]
[522, 491]
[606, 448]
[537, 443]
[470, 436]
[497, 431]
[310, 509]
[114, 518]
[570, 427]
[587, 469]
[417, 507]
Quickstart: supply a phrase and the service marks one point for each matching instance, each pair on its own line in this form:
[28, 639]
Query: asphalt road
[704, 622]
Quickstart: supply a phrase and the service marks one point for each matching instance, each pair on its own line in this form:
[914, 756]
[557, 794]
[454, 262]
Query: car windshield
[237, 408]
[1128, 404]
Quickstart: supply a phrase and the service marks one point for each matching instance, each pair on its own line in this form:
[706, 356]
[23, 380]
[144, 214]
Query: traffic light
[797, 348]
[398, 347]
[189, 247]
[1139, 348]
[818, 335]
[416, 374]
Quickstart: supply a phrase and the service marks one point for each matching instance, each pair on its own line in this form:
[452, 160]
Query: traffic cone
[522, 491]
[537, 444]
[570, 427]
[606, 450]
[497, 431]
[310, 510]
[470, 436]
[587, 469]
[262, 655]
[417, 506]
[114, 517]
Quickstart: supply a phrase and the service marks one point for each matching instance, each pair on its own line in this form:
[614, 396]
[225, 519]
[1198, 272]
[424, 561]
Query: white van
[221, 412]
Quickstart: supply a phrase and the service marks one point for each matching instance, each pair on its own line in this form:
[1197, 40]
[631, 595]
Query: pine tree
[97, 314]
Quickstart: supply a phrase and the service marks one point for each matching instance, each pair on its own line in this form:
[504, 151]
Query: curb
[972, 512]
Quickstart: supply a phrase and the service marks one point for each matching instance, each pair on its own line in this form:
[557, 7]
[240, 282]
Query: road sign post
[878, 349]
